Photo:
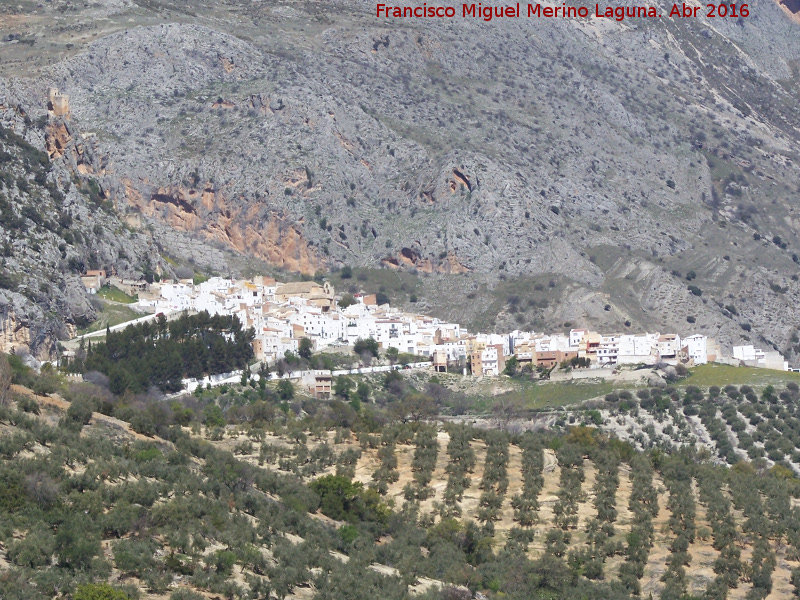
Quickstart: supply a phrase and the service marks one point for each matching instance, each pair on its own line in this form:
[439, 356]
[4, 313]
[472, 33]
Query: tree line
[161, 353]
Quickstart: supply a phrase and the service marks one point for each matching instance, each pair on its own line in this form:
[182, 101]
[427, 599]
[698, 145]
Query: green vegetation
[110, 315]
[114, 294]
[367, 347]
[182, 516]
[545, 394]
[393, 286]
[720, 375]
[495, 477]
[162, 353]
[221, 500]
[461, 463]
[305, 348]
[344, 500]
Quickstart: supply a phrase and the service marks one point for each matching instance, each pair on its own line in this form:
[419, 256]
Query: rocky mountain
[55, 223]
[628, 175]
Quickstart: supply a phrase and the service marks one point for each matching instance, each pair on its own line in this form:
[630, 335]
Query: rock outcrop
[55, 222]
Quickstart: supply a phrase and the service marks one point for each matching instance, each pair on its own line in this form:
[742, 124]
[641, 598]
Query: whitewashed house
[697, 348]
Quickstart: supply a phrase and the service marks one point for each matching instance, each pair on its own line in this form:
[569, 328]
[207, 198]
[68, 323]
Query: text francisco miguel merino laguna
[487, 13]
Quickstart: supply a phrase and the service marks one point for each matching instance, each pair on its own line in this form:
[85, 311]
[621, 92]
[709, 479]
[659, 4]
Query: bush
[213, 417]
[348, 533]
[346, 500]
[381, 298]
[34, 550]
[76, 543]
[98, 591]
[285, 389]
[28, 405]
[185, 594]
[367, 346]
[80, 412]
[222, 561]
[347, 300]
[595, 417]
[133, 556]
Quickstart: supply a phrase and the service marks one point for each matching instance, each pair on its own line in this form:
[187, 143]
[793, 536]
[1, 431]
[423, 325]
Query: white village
[282, 314]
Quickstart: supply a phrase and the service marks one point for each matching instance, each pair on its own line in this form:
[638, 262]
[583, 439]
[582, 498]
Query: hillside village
[282, 314]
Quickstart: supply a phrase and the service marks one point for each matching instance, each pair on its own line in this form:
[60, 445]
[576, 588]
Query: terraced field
[671, 520]
[664, 492]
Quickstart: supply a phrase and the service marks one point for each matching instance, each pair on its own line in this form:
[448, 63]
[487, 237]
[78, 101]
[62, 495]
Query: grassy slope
[721, 375]
[547, 394]
[115, 294]
[538, 395]
[112, 314]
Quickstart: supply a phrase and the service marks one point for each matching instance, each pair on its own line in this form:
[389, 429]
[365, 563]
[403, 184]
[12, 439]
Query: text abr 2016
[487, 13]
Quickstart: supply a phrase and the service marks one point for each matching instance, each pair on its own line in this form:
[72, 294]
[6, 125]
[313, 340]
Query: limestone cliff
[55, 222]
[252, 231]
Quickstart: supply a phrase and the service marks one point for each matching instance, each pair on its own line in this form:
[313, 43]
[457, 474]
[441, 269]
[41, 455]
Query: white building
[280, 321]
[608, 350]
[575, 337]
[697, 348]
[669, 346]
[635, 349]
[490, 361]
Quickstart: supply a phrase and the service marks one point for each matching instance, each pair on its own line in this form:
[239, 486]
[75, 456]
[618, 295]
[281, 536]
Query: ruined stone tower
[57, 103]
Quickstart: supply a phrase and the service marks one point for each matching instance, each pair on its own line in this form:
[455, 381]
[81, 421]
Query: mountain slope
[54, 224]
[621, 161]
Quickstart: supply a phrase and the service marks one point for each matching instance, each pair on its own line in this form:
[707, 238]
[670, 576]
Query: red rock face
[410, 258]
[57, 139]
[207, 211]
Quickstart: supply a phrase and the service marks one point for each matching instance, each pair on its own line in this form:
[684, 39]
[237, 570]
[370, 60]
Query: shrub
[213, 417]
[28, 405]
[285, 389]
[34, 550]
[346, 300]
[185, 594]
[133, 556]
[98, 591]
[76, 543]
[222, 561]
[346, 500]
[80, 412]
[367, 346]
